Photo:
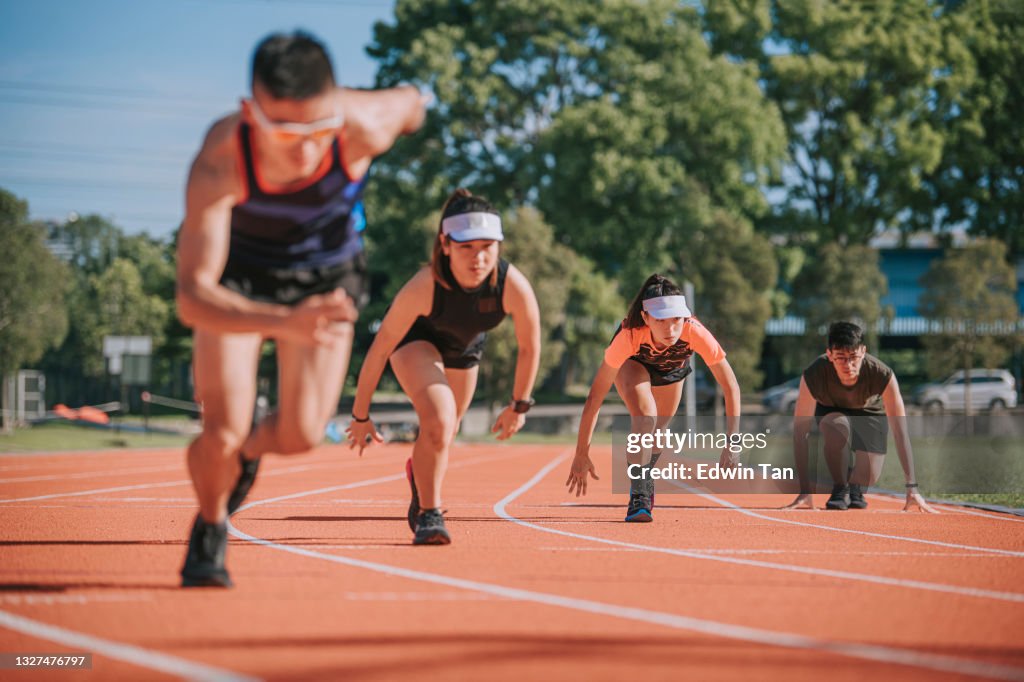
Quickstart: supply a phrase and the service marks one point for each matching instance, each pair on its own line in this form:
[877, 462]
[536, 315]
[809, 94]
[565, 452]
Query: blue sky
[103, 104]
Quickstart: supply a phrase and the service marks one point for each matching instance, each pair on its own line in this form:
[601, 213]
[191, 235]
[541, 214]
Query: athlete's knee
[644, 423]
[836, 425]
[221, 441]
[437, 431]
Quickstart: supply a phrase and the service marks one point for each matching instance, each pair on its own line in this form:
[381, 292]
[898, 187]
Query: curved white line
[710, 627]
[500, 510]
[902, 538]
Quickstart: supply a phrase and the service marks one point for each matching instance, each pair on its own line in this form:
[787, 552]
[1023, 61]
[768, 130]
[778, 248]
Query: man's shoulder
[220, 145]
[817, 365]
[215, 167]
[876, 366]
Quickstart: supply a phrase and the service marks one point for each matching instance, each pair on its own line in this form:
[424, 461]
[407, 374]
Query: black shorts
[870, 430]
[661, 377]
[454, 355]
[289, 287]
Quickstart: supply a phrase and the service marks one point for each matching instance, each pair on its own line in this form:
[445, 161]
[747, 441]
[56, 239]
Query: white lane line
[144, 658]
[96, 491]
[92, 474]
[81, 599]
[815, 552]
[499, 509]
[863, 651]
[903, 538]
[415, 596]
[147, 486]
[371, 481]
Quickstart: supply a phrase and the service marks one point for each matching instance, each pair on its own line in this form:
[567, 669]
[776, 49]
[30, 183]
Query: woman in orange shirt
[647, 361]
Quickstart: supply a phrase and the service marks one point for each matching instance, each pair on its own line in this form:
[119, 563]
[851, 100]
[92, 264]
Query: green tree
[970, 298]
[564, 284]
[734, 270]
[119, 306]
[856, 83]
[839, 283]
[613, 118]
[979, 181]
[33, 316]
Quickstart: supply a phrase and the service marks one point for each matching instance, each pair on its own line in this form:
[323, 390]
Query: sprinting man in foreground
[270, 248]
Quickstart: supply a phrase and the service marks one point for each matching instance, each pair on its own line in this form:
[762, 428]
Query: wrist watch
[522, 406]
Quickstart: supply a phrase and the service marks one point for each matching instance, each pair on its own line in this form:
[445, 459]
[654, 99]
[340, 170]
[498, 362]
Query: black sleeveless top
[827, 389]
[316, 225]
[459, 318]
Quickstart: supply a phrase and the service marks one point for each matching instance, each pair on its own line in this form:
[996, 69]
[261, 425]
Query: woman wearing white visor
[433, 334]
[647, 361]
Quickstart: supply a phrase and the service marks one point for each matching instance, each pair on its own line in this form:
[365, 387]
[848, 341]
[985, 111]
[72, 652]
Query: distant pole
[690, 387]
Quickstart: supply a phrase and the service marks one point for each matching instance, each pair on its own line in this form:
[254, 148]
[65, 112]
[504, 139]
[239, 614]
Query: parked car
[994, 389]
[782, 398]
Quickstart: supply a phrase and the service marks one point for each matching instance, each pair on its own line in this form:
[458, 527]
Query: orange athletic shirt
[638, 345]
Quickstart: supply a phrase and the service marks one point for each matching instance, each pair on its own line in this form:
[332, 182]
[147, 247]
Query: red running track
[536, 585]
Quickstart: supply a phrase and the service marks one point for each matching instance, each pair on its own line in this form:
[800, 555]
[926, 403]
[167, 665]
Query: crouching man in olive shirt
[854, 398]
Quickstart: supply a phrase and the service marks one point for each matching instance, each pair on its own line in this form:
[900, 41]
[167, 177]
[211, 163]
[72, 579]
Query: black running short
[454, 355]
[870, 430]
[661, 377]
[289, 287]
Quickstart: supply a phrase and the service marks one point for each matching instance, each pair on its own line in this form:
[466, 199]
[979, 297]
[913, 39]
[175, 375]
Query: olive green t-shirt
[825, 386]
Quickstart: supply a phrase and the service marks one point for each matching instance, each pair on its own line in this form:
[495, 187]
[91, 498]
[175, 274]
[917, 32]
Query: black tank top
[459, 316]
[316, 225]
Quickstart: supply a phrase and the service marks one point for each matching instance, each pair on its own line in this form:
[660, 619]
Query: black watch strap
[522, 406]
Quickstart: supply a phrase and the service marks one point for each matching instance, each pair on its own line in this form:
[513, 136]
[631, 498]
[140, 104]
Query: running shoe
[840, 497]
[639, 510]
[857, 500]
[204, 563]
[654, 461]
[414, 505]
[243, 485]
[430, 529]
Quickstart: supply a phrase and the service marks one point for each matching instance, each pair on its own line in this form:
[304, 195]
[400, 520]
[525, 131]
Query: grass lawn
[54, 437]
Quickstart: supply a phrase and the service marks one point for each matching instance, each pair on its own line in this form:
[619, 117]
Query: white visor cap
[466, 227]
[664, 307]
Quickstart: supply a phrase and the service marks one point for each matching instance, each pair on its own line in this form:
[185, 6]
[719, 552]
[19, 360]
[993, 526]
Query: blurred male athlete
[270, 248]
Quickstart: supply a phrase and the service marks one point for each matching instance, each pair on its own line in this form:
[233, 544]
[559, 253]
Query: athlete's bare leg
[421, 373]
[633, 382]
[835, 431]
[225, 367]
[310, 380]
[463, 383]
[867, 468]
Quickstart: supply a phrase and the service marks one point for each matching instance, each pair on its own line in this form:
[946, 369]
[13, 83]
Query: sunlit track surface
[535, 585]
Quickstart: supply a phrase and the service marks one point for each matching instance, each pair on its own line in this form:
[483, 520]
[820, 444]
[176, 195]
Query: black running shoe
[654, 460]
[430, 529]
[639, 510]
[840, 497]
[204, 563]
[414, 505]
[243, 485]
[857, 500]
